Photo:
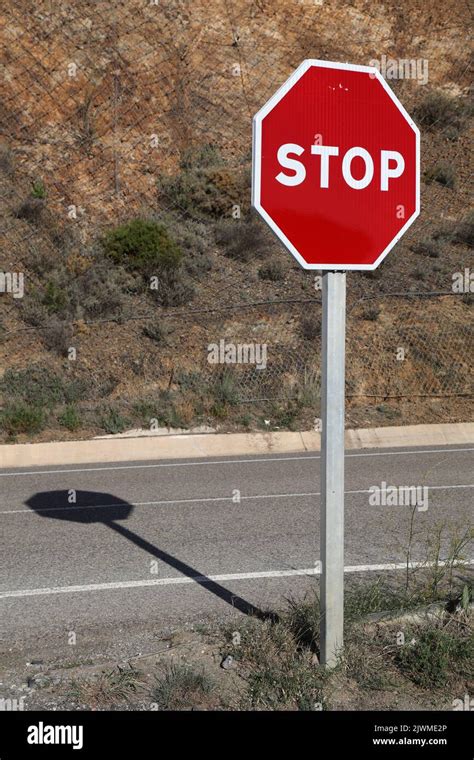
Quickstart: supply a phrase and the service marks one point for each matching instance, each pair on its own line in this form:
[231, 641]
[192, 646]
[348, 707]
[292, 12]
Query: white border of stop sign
[297, 171]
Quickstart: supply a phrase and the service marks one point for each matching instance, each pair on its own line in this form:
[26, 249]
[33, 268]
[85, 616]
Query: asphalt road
[141, 541]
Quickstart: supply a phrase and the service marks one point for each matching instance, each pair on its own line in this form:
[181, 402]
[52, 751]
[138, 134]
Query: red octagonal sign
[336, 166]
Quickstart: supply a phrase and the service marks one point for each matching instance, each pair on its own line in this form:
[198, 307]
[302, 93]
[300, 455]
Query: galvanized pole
[332, 466]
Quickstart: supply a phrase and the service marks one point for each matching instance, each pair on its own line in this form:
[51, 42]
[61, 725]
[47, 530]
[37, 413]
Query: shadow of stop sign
[336, 166]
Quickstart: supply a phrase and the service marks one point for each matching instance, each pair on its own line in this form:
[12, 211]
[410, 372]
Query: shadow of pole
[92, 507]
[215, 588]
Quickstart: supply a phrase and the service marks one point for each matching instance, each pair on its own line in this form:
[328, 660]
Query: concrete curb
[188, 446]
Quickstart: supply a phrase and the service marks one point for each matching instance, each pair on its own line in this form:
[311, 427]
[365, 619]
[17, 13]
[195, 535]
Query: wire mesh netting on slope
[142, 109]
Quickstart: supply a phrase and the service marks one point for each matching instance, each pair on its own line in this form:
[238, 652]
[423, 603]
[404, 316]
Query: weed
[309, 392]
[112, 421]
[436, 656]
[225, 388]
[365, 659]
[145, 410]
[156, 331]
[180, 687]
[303, 619]
[70, 418]
[440, 111]
[38, 189]
[100, 291]
[173, 289]
[6, 159]
[109, 688]
[273, 270]
[461, 232]
[278, 673]
[427, 247]
[419, 273]
[32, 310]
[31, 210]
[205, 188]
[370, 312]
[442, 173]
[40, 386]
[242, 240]
[54, 297]
[57, 336]
[368, 598]
[286, 416]
[22, 418]
[388, 411]
[311, 326]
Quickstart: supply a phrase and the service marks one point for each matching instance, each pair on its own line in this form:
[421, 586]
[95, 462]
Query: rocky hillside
[141, 110]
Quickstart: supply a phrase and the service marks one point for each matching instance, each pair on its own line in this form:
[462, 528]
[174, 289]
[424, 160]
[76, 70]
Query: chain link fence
[397, 346]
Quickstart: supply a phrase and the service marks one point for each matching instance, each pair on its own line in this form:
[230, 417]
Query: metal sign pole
[332, 466]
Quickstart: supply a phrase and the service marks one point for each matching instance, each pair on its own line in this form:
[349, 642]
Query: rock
[38, 681]
[227, 662]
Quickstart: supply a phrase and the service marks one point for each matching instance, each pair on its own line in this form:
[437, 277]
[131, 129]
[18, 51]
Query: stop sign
[336, 166]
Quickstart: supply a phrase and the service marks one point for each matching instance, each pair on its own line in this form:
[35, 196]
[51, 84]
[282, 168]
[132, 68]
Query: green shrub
[38, 189]
[70, 418]
[112, 421]
[225, 389]
[54, 297]
[142, 246]
[22, 418]
[145, 410]
[39, 386]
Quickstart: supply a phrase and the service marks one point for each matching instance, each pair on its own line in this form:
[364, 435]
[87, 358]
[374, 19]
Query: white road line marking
[254, 497]
[205, 462]
[203, 579]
